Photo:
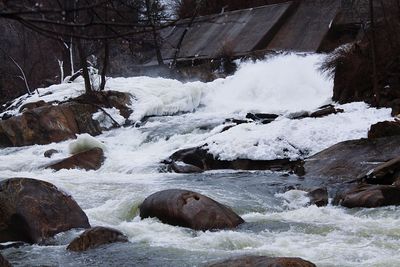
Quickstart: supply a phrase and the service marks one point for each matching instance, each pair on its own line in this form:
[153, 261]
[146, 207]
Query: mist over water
[278, 222]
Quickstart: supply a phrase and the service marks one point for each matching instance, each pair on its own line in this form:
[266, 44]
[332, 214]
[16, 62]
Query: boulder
[325, 111]
[33, 210]
[180, 167]
[95, 237]
[200, 158]
[369, 196]
[4, 262]
[349, 160]
[318, 196]
[188, 209]
[263, 261]
[384, 129]
[49, 153]
[89, 160]
[48, 124]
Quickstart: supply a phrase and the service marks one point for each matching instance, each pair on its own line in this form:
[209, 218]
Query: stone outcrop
[33, 105]
[95, 237]
[89, 160]
[202, 160]
[33, 210]
[350, 160]
[369, 196]
[263, 261]
[48, 124]
[189, 209]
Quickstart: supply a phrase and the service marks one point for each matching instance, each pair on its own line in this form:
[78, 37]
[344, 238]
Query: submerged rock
[33, 210]
[318, 196]
[369, 196]
[200, 158]
[95, 237]
[88, 160]
[4, 262]
[263, 261]
[188, 209]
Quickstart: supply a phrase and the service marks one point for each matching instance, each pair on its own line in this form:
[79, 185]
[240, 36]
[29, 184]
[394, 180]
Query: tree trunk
[84, 66]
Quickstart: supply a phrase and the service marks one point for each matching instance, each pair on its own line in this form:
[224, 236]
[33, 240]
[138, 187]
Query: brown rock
[188, 209]
[89, 160]
[386, 173]
[325, 111]
[33, 210]
[4, 262]
[95, 237]
[351, 159]
[318, 196]
[384, 129]
[48, 124]
[369, 196]
[263, 261]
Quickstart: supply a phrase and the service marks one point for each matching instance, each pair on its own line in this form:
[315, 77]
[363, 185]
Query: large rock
[95, 237]
[89, 160]
[369, 196]
[48, 124]
[200, 158]
[263, 261]
[4, 262]
[385, 173]
[384, 129]
[353, 159]
[318, 196]
[33, 210]
[188, 209]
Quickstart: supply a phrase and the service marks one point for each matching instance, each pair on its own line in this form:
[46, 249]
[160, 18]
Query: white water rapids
[278, 223]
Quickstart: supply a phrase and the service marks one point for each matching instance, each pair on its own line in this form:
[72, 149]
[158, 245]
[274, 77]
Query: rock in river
[33, 210]
[95, 237]
[188, 209]
[88, 160]
[369, 196]
[263, 261]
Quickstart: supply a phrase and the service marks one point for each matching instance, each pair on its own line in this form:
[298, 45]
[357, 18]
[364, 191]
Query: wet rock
[318, 196]
[199, 157]
[95, 237]
[180, 167]
[369, 196]
[48, 124]
[4, 262]
[261, 116]
[325, 111]
[189, 209]
[384, 129]
[33, 210]
[33, 105]
[352, 159]
[89, 160]
[263, 261]
[49, 153]
[386, 173]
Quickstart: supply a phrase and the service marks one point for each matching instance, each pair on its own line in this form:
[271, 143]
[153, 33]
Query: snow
[105, 121]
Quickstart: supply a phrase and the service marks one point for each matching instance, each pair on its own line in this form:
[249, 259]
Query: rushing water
[278, 222]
